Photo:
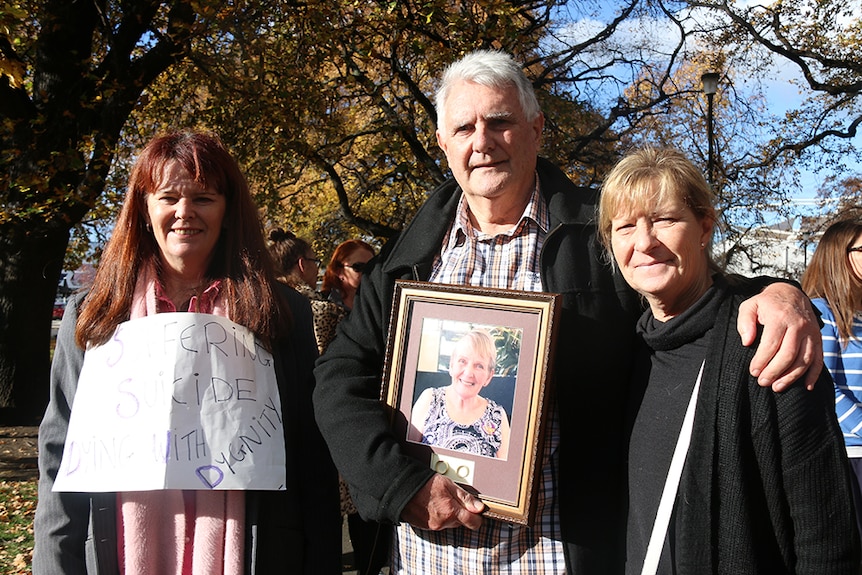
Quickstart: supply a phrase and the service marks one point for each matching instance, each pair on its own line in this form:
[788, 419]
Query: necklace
[197, 288]
[182, 295]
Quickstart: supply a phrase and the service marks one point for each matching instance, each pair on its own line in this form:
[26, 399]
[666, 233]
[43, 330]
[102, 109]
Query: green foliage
[69, 75]
[508, 344]
[328, 104]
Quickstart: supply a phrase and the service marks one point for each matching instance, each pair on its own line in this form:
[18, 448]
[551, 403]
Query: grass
[17, 506]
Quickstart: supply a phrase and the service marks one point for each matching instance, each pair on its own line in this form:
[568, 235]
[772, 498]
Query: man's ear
[538, 127]
[441, 141]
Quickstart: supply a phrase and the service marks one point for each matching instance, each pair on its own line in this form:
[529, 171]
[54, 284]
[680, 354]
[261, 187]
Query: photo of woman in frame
[470, 413]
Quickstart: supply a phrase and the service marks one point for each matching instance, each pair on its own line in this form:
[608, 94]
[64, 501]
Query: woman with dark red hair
[344, 272]
[188, 239]
[343, 275]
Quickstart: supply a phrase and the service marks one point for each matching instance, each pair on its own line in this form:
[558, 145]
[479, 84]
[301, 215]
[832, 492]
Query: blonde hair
[648, 177]
[482, 342]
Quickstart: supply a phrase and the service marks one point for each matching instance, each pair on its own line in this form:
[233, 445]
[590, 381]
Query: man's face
[490, 145]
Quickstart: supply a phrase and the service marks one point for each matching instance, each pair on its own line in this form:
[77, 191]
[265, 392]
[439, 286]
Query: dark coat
[766, 485]
[591, 371]
[296, 531]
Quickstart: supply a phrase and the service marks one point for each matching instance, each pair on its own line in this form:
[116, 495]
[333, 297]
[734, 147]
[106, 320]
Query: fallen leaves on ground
[17, 506]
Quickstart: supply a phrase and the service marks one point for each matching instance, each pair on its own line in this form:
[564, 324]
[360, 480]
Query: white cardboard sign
[175, 401]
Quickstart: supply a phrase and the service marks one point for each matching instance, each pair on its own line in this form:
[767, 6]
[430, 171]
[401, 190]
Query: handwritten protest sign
[175, 401]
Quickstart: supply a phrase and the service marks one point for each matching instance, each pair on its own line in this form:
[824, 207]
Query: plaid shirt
[509, 260]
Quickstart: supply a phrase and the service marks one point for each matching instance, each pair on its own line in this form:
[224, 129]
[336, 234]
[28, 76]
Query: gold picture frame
[497, 462]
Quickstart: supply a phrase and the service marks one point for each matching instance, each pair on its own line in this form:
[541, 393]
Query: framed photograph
[467, 376]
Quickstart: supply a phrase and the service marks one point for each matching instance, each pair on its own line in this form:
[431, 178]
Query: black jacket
[766, 485]
[591, 372]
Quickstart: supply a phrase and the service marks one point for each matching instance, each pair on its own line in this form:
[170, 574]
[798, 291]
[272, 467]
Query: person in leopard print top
[299, 269]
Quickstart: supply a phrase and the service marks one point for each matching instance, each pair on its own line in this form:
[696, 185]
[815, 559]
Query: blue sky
[656, 36]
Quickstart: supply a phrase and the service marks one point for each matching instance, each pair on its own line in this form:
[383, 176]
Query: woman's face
[662, 255]
[350, 277]
[470, 371]
[856, 257]
[186, 219]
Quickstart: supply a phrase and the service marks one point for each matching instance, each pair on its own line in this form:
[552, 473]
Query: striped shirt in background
[509, 260]
[845, 366]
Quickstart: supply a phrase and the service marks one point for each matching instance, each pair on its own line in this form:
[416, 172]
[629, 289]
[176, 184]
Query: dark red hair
[336, 263]
[241, 259]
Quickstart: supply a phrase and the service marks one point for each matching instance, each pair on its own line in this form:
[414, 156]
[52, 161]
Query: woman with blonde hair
[456, 416]
[724, 476]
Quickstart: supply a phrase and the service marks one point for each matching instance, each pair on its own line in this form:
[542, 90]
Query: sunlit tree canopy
[329, 107]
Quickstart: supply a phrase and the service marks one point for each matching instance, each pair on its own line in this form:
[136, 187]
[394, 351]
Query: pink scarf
[173, 532]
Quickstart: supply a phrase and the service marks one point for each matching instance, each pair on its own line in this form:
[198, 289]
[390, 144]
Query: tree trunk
[88, 67]
[30, 266]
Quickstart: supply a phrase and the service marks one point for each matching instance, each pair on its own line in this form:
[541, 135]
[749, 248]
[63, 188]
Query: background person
[295, 260]
[299, 268]
[344, 272]
[188, 239]
[456, 416]
[765, 485]
[834, 281]
[510, 219]
[343, 275]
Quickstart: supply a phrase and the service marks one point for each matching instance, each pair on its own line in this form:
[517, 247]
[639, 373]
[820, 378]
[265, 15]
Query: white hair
[491, 68]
